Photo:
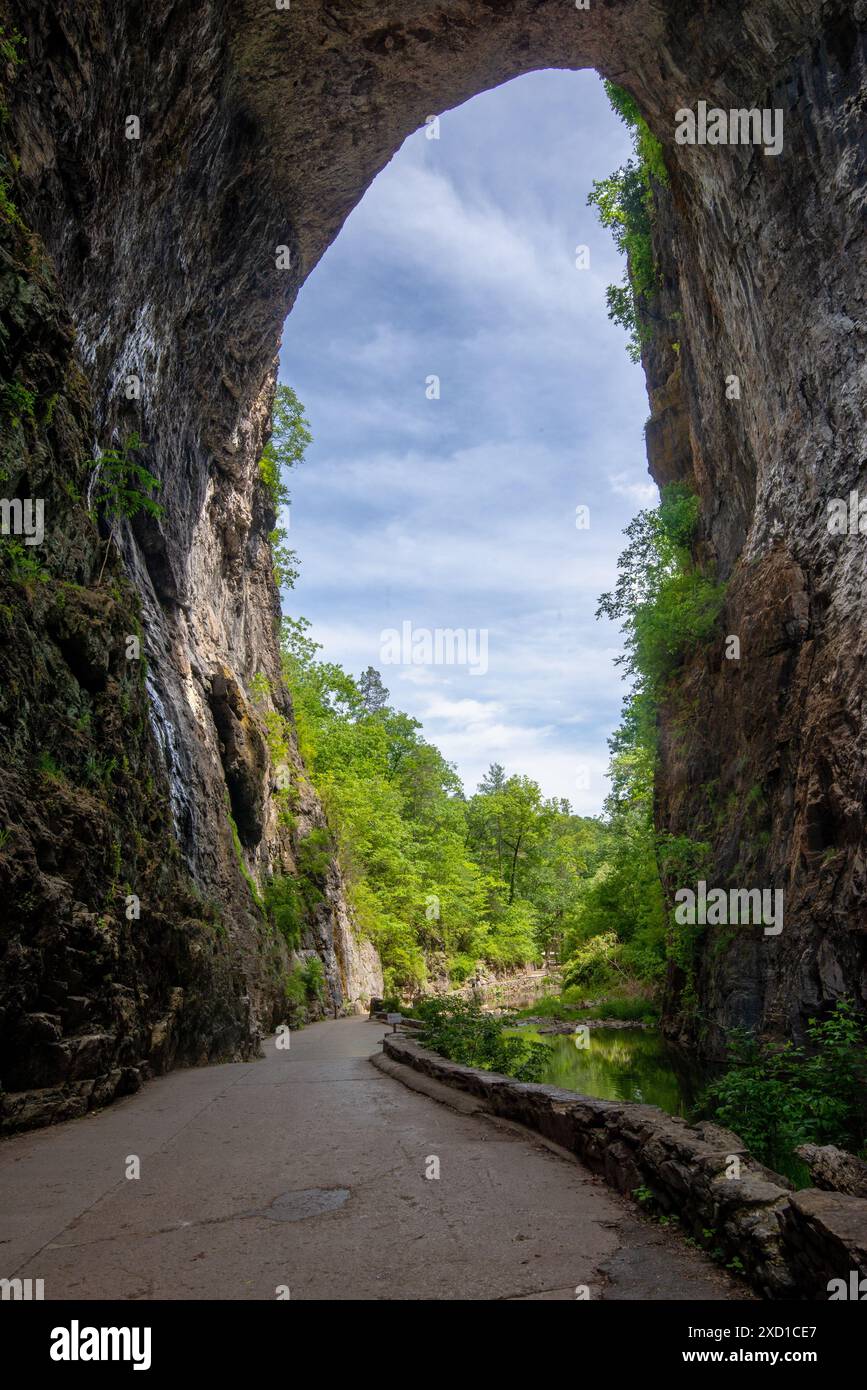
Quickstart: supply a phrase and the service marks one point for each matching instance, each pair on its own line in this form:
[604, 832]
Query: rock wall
[160, 257]
[764, 756]
[149, 777]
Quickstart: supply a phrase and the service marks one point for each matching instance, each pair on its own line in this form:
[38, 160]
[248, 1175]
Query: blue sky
[459, 512]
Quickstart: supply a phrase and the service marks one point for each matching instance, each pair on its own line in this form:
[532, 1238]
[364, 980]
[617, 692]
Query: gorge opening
[172, 886]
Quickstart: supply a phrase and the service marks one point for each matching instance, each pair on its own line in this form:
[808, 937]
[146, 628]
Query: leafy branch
[122, 488]
[624, 202]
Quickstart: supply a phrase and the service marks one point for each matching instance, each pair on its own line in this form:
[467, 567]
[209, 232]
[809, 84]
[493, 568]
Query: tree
[289, 441]
[290, 437]
[505, 825]
[374, 696]
[493, 781]
[665, 605]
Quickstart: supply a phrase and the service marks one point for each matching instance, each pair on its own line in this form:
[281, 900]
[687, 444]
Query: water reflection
[626, 1064]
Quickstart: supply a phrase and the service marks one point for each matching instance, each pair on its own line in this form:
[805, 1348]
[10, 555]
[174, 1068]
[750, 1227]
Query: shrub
[123, 485]
[295, 991]
[284, 905]
[628, 1009]
[457, 1029]
[313, 972]
[289, 440]
[777, 1097]
[461, 967]
[23, 566]
[593, 963]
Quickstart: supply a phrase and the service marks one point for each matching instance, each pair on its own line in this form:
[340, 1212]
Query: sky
[457, 511]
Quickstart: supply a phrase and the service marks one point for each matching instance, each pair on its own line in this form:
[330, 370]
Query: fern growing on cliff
[123, 486]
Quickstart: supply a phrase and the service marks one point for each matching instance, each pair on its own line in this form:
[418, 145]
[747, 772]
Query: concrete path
[307, 1171]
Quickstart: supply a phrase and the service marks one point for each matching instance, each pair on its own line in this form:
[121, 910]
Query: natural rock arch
[263, 127]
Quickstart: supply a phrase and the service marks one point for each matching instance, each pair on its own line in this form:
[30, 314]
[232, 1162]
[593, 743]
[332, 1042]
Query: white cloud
[461, 512]
[644, 494]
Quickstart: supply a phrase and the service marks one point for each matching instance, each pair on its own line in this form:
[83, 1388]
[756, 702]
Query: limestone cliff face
[159, 257]
[764, 756]
[149, 777]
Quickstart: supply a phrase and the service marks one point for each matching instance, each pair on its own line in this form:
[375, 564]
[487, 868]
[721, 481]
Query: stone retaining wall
[789, 1243]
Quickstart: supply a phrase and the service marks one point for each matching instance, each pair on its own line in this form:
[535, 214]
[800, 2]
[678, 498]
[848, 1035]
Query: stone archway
[262, 128]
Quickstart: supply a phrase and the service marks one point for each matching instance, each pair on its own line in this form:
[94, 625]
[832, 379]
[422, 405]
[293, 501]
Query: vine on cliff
[624, 202]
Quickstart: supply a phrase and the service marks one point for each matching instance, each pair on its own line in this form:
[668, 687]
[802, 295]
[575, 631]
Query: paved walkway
[307, 1170]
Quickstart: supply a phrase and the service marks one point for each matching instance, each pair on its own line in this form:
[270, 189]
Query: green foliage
[9, 46]
[285, 907]
[239, 856]
[47, 767]
[665, 605]
[647, 147]
[505, 877]
[620, 928]
[277, 735]
[634, 1008]
[10, 60]
[777, 1097]
[290, 438]
[123, 485]
[303, 987]
[21, 563]
[290, 900]
[314, 854]
[684, 860]
[457, 1029]
[8, 210]
[430, 873]
[624, 202]
[594, 962]
[313, 975]
[17, 403]
[99, 771]
[260, 687]
[623, 897]
[284, 560]
[295, 992]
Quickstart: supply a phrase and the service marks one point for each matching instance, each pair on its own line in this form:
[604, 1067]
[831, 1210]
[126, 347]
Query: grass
[625, 1006]
[626, 1010]
[47, 767]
